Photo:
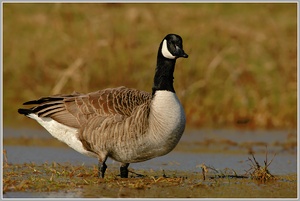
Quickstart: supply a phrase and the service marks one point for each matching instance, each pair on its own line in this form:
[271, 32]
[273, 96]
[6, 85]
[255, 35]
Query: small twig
[271, 160]
[204, 171]
[266, 161]
[257, 164]
[5, 158]
[137, 174]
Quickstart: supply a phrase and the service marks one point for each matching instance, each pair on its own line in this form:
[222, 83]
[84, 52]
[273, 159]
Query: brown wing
[76, 109]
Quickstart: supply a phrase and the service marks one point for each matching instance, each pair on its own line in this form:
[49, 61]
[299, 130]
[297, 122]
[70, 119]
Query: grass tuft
[259, 172]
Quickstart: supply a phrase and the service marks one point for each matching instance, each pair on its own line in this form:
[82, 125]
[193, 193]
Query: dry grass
[82, 181]
[241, 70]
[256, 171]
[259, 172]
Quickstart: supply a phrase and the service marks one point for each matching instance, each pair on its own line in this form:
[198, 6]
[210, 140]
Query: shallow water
[284, 162]
[186, 157]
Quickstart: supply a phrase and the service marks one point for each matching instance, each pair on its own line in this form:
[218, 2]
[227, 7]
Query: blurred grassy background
[242, 69]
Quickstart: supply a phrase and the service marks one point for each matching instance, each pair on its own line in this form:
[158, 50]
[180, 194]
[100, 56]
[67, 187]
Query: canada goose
[127, 125]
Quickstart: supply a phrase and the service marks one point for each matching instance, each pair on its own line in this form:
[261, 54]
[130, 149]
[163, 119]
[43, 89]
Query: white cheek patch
[165, 52]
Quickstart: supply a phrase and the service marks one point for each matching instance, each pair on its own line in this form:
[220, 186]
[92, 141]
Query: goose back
[76, 109]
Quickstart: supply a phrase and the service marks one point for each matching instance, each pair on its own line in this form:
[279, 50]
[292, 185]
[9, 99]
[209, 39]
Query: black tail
[45, 102]
[25, 111]
[37, 108]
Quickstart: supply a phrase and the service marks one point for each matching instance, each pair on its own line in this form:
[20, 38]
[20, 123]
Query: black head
[171, 47]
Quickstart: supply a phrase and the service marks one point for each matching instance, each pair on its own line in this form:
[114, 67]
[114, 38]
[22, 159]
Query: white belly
[63, 133]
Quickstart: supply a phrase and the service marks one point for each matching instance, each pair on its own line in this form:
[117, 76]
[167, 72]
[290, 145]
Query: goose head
[171, 47]
[169, 50]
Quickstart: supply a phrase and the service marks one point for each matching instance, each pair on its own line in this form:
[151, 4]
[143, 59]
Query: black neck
[163, 79]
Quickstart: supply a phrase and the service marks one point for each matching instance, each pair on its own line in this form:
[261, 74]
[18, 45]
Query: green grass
[241, 70]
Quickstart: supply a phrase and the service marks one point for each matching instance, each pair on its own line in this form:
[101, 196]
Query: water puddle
[221, 149]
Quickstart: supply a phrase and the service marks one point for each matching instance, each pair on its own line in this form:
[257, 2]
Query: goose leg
[124, 170]
[101, 165]
[101, 169]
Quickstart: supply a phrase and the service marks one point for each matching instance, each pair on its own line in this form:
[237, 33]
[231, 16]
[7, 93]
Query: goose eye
[172, 44]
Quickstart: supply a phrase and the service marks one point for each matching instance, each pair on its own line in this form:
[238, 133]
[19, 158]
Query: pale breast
[166, 124]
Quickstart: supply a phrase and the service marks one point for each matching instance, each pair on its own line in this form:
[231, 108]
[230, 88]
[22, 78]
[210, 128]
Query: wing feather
[76, 109]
